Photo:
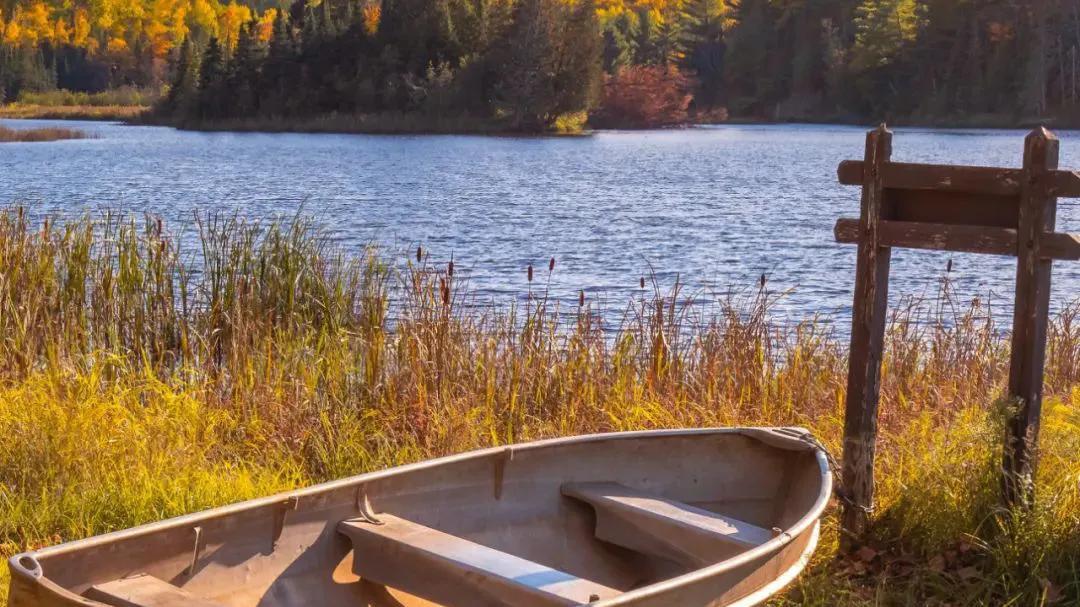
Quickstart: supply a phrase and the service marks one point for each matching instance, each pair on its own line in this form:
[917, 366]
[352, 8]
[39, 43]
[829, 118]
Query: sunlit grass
[139, 381]
[8, 135]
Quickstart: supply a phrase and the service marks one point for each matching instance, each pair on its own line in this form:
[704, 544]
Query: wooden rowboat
[661, 519]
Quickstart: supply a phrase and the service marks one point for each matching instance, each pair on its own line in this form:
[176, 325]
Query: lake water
[716, 206]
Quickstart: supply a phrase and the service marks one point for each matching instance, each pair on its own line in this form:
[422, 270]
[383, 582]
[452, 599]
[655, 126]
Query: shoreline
[396, 123]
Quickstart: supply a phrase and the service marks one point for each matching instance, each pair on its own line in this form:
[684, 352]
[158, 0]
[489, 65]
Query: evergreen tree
[703, 39]
[243, 77]
[184, 91]
[752, 42]
[212, 75]
[619, 38]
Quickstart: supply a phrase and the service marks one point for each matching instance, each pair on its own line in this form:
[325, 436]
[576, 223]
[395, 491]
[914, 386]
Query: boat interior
[572, 522]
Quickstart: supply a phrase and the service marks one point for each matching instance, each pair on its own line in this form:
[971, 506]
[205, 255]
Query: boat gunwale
[788, 437]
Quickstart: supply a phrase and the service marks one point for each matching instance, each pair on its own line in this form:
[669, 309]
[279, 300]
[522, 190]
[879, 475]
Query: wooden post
[1038, 209]
[867, 339]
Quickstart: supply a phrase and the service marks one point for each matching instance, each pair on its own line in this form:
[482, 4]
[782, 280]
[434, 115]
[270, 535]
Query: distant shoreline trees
[530, 64]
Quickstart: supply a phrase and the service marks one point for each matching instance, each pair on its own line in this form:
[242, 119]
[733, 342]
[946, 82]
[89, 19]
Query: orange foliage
[229, 20]
[372, 15]
[644, 97]
[265, 28]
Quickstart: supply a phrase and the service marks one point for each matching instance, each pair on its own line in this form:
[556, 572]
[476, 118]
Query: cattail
[419, 253]
[445, 291]
[581, 298]
[948, 267]
[159, 226]
[450, 269]
[641, 282]
[763, 280]
[530, 272]
[551, 265]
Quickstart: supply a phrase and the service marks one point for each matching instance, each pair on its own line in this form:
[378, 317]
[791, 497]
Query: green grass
[140, 381]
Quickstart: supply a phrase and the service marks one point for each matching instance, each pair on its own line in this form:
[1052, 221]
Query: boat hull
[287, 550]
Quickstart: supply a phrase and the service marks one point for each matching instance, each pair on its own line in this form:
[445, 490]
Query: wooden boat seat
[144, 591]
[456, 572]
[658, 526]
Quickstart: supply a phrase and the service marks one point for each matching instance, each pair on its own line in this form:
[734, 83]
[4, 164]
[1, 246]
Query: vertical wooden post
[1030, 317]
[867, 340]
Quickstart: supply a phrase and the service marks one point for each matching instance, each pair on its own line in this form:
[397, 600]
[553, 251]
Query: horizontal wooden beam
[959, 238]
[1065, 184]
[934, 236]
[968, 179]
[946, 178]
[1061, 246]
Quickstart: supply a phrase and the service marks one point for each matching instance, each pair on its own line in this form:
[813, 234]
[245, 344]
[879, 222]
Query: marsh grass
[140, 380]
[8, 135]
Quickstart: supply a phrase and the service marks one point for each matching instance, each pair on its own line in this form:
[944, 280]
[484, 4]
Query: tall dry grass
[9, 135]
[140, 379]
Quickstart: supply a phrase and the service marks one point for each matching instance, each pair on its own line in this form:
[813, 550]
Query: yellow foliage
[117, 45]
[12, 33]
[266, 25]
[61, 32]
[372, 16]
[82, 28]
[229, 21]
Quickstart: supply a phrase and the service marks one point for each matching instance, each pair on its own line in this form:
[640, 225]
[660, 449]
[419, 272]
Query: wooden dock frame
[951, 208]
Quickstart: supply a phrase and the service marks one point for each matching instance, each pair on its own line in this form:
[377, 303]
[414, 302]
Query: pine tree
[703, 39]
[243, 78]
[619, 42]
[211, 82]
[184, 91]
[751, 44]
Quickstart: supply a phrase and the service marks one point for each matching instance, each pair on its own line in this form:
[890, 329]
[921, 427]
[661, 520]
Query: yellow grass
[72, 112]
[36, 135]
[140, 381]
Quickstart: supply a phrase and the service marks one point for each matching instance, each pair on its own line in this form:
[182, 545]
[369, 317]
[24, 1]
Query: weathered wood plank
[867, 341]
[937, 177]
[1030, 318]
[968, 179]
[1064, 184]
[963, 239]
[1056, 245]
[934, 236]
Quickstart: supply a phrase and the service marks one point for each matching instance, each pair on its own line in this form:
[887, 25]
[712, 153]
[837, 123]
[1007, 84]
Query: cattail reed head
[445, 289]
[530, 272]
[948, 267]
[551, 265]
[419, 253]
[641, 283]
[159, 226]
[762, 281]
[450, 269]
[581, 298]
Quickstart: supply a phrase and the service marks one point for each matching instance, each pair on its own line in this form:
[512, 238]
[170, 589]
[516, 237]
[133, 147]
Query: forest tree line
[530, 63]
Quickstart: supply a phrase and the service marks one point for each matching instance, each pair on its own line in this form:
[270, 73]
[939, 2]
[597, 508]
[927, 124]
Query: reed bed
[9, 135]
[141, 380]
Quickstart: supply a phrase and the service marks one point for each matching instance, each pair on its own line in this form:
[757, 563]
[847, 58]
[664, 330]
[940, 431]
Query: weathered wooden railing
[951, 208]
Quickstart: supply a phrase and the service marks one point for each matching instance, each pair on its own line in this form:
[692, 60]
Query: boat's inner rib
[456, 572]
[658, 526]
[144, 591]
